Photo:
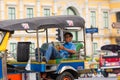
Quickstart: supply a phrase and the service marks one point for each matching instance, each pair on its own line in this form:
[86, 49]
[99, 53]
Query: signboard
[116, 25]
[91, 30]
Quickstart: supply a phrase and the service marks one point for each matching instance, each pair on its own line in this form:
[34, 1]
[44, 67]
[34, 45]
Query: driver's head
[68, 37]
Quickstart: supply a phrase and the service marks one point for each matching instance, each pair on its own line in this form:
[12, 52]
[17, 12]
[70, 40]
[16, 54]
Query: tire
[23, 50]
[105, 74]
[65, 76]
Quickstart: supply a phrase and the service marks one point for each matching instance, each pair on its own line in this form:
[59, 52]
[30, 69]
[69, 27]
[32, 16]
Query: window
[105, 19]
[70, 11]
[93, 18]
[118, 16]
[94, 48]
[46, 12]
[11, 13]
[75, 36]
[29, 12]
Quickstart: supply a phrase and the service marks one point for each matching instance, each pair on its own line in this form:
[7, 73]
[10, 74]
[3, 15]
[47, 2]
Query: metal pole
[92, 44]
[84, 43]
[39, 57]
[4, 65]
[38, 46]
[47, 35]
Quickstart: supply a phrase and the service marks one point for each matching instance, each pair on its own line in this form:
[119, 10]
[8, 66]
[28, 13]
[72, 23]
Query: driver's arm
[68, 50]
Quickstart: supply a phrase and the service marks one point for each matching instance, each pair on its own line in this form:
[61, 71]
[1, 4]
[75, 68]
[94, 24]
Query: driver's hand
[62, 47]
[57, 47]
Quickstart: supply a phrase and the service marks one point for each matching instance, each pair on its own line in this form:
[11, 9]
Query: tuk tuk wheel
[65, 76]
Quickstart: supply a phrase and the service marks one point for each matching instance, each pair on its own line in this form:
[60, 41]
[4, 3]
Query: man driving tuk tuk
[63, 51]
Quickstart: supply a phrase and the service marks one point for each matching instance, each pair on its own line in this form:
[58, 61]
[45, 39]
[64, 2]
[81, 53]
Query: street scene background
[101, 17]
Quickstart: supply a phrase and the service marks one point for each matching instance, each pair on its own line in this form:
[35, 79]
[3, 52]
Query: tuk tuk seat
[78, 47]
[75, 56]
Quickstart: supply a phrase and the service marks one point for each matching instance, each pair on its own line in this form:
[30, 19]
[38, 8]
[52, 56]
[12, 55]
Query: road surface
[98, 78]
[111, 77]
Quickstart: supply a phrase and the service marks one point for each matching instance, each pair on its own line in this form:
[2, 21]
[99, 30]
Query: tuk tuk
[56, 69]
[110, 59]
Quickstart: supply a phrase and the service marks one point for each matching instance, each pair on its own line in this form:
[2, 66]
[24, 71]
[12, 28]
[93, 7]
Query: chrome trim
[110, 67]
[66, 68]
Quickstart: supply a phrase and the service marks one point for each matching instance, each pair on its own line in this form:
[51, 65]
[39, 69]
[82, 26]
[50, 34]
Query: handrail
[35, 31]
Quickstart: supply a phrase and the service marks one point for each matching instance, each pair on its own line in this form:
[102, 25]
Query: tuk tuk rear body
[110, 61]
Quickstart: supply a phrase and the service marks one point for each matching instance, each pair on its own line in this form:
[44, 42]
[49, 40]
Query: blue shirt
[64, 53]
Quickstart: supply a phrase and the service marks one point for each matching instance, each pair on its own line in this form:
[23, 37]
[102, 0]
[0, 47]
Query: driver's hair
[68, 33]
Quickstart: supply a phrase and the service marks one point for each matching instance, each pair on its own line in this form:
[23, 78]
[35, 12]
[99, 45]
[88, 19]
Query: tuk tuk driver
[65, 51]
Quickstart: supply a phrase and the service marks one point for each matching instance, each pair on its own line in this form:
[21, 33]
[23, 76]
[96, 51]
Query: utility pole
[92, 43]
[92, 31]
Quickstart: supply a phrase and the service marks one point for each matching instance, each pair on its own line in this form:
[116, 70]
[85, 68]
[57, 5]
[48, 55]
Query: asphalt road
[111, 77]
[98, 78]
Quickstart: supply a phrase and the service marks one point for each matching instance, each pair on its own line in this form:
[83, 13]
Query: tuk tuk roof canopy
[42, 22]
[111, 47]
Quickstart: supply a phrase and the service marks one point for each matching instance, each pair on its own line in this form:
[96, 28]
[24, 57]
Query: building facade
[97, 14]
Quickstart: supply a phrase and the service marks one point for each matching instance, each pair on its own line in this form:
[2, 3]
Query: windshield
[2, 34]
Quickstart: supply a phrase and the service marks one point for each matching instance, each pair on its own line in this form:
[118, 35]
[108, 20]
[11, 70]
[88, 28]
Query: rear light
[112, 59]
[113, 64]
